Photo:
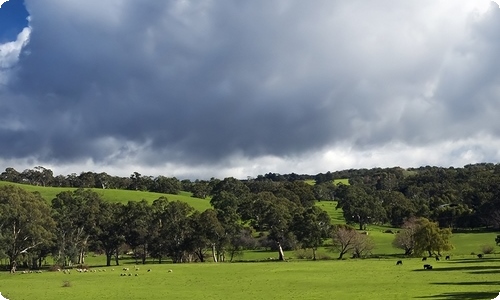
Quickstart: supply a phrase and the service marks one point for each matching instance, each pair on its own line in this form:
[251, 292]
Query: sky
[203, 88]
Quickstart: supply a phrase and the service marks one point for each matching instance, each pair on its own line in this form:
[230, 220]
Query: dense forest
[271, 211]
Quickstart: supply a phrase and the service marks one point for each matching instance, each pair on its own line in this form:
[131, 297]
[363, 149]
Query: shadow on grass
[475, 261]
[462, 295]
[465, 269]
[486, 272]
[468, 283]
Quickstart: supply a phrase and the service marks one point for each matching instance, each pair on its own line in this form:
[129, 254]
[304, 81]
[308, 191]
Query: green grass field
[122, 196]
[331, 279]
[254, 276]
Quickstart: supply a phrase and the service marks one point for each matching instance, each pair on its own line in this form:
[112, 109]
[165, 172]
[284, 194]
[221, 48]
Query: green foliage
[421, 235]
[25, 222]
[116, 195]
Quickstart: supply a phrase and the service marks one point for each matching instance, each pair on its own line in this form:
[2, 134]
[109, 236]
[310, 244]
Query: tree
[25, 222]
[359, 206]
[396, 205]
[405, 238]
[10, 175]
[176, 230]
[200, 189]
[430, 238]
[207, 230]
[343, 239]
[311, 227]
[421, 235]
[137, 219]
[75, 213]
[110, 232]
[272, 214]
[363, 245]
[166, 185]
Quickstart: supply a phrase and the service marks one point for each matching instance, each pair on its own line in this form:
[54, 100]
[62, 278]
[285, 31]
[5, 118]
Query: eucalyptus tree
[359, 206]
[271, 214]
[76, 214]
[25, 222]
[311, 227]
[207, 232]
[11, 175]
[175, 230]
[137, 217]
[166, 185]
[110, 232]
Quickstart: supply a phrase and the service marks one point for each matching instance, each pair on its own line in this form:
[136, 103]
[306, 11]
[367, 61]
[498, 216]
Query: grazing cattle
[424, 258]
[479, 256]
[447, 257]
[427, 267]
[437, 258]
[399, 262]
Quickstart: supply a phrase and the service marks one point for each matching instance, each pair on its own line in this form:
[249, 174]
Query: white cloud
[2, 2]
[9, 53]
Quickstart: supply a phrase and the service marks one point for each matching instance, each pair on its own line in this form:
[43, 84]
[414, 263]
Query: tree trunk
[214, 256]
[117, 257]
[314, 253]
[34, 263]
[281, 253]
[144, 252]
[109, 256]
[13, 266]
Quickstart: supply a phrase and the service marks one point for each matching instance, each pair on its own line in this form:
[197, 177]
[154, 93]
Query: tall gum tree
[25, 222]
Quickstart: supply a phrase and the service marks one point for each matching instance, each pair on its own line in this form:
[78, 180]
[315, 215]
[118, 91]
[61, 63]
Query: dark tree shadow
[462, 295]
[468, 283]
[474, 260]
[442, 268]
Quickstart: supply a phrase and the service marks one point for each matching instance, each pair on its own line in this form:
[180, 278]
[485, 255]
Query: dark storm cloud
[194, 82]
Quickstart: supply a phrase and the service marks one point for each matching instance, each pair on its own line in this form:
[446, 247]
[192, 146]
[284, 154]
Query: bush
[487, 249]
[323, 256]
[83, 266]
[55, 268]
[303, 254]
[66, 283]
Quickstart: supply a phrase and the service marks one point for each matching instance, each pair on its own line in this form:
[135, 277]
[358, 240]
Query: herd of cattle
[428, 266]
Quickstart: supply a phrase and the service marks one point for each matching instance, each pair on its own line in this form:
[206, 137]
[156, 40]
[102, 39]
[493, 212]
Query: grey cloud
[194, 82]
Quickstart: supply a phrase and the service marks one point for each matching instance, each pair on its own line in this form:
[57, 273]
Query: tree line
[279, 209]
[78, 221]
[456, 198]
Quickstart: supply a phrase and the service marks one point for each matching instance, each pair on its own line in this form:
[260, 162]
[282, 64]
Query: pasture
[121, 196]
[461, 278]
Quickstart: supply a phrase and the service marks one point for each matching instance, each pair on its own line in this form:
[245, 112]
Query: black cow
[427, 267]
[399, 262]
[447, 257]
[424, 258]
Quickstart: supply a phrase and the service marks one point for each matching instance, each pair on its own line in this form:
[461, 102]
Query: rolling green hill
[122, 196]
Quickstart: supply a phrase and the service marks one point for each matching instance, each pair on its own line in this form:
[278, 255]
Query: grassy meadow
[461, 278]
[255, 275]
[122, 196]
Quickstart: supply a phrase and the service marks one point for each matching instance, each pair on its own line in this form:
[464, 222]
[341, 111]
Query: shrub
[83, 266]
[487, 249]
[323, 256]
[303, 254]
[55, 268]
